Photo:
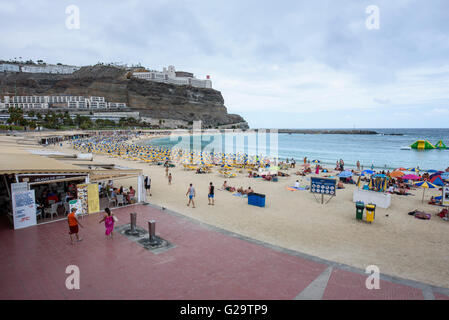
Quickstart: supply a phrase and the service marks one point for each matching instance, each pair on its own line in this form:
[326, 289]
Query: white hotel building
[6, 67]
[170, 75]
[50, 68]
[69, 102]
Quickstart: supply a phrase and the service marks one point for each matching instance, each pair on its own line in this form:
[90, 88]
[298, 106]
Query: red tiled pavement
[344, 285]
[204, 264]
[440, 296]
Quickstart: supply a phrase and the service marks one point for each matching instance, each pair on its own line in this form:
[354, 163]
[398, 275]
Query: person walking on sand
[169, 178]
[109, 220]
[73, 225]
[166, 171]
[358, 165]
[210, 195]
[147, 184]
[191, 194]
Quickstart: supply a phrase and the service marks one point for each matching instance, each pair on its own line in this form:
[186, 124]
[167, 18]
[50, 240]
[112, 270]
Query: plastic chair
[120, 200]
[113, 200]
[52, 210]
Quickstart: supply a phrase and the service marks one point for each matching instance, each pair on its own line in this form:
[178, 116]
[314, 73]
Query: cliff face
[151, 99]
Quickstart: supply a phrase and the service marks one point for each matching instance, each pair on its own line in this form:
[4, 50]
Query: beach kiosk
[25, 176]
[445, 196]
[378, 196]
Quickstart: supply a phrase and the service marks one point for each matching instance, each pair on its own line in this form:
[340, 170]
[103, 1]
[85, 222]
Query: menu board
[93, 198]
[24, 209]
[82, 198]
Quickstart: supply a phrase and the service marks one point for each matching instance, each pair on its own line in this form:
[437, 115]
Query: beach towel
[420, 215]
[238, 194]
[293, 188]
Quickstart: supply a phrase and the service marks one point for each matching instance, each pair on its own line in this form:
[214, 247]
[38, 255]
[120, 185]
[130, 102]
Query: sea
[382, 150]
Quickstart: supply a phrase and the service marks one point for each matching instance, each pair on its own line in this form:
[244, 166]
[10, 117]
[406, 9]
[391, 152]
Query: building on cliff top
[50, 68]
[7, 67]
[170, 75]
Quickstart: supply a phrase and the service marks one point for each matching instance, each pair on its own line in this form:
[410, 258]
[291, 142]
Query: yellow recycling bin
[370, 212]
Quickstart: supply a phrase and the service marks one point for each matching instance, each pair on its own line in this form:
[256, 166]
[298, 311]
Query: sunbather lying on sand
[267, 177]
[249, 190]
[402, 192]
[228, 188]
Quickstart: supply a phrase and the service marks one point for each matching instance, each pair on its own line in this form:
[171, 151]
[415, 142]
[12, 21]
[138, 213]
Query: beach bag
[443, 213]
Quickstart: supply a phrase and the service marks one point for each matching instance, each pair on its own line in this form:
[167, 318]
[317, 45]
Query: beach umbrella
[316, 161]
[379, 175]
[432, 171]
[367, 172]
[425, 185]
[445, 175]
[437, 181]
[397, 174]
[345, 174]
[413, 170]
[410, 177]
[401, 169]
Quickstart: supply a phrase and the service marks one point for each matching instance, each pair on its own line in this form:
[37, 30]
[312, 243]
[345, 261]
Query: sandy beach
[396, 242]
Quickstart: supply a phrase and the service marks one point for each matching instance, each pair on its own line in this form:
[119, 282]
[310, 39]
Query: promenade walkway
[204, 263]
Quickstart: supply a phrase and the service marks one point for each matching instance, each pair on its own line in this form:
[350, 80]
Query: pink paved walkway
[204, 264]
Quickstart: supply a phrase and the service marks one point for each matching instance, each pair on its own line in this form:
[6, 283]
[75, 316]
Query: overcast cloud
[310, 64]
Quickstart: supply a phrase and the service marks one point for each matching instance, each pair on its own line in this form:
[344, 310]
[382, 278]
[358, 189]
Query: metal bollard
[152, 229]
[152, 232]
[133, 216]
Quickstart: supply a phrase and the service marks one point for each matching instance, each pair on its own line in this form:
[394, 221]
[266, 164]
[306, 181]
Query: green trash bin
[359, 207]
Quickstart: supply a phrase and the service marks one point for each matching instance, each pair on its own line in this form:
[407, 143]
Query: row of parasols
[434, 178]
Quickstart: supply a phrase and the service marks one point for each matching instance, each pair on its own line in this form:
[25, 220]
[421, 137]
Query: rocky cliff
[151, 99]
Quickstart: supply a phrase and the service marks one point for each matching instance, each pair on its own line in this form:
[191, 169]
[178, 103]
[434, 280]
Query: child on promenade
[109, 220]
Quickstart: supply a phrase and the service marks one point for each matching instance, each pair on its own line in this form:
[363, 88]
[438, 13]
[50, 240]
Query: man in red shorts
[73, 225]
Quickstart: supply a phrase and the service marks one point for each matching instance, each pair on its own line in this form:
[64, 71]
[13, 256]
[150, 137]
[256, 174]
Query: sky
[279, 64]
